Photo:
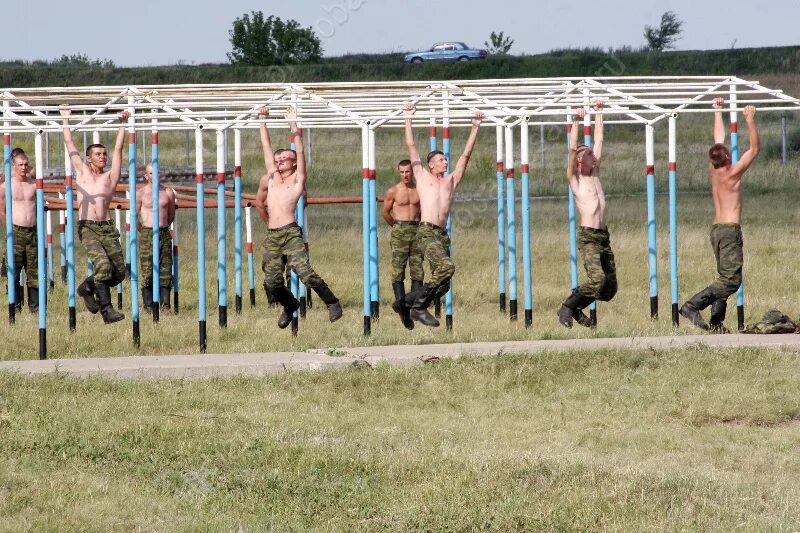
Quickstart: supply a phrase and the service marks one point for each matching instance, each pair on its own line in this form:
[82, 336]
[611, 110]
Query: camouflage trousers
[594, 245]
[26, 254]
[434, 244]
[146, 257]
[101, 240]
[284, 246]
[726, 239]
[403, 242]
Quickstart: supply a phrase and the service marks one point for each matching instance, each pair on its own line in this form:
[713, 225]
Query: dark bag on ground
[771, 323]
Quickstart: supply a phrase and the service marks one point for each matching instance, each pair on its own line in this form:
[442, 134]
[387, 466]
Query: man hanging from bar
[23, 213]
[166, 215]
[96, 230]
[726, 233]
[436, 191]
[401, 212]
[594, 244]
[276, 200]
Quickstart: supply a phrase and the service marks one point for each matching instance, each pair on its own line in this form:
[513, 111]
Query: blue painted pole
[573, 243]
[673, 221]
[651, 222]
[133, 235]
[237, 218]
[251, 272]
[41, 244]
[297, 286]
[373, 231]
[365, 223]
[512, 224]
[50, 271]
[175, 266]
[118, 223]
[527, 281]
[735, 159]
[69, 239]
[501, 220]
[62, 242]
[156, 272]
[588, 141]
[448, 297]
[222, 256]
[11, 271]
[201, 240]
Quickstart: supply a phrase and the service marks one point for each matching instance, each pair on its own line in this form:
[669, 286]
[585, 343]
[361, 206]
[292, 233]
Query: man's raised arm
[413, 155]
[299, 148]
[719, 126]
[266, 145]
[116, 162]
[72, 150]
[572, 162]
[461, 165]
[597, 146]
[749, 156]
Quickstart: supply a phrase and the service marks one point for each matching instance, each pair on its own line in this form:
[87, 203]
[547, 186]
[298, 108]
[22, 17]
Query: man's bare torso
[726, 193]
[406, 204]
[146, 213]
[94, 196]
[435, 198]
[282, 196]
[590, 200]
[23, 198]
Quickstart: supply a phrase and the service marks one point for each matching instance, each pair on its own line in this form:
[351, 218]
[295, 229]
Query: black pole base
[309, 300]
[302, 310]
[52, 285]
[64, 274]
[175, 303]
[375, 309]
[11, 314]
[437, 307]
[503, 302]
[654, 307]
[127, 271]
[42, 343]
[448, 322]
[119, 300]
[252, 297]
[223, 316]
[295, 326]
[740, 317]
[593, 318]
[238, 305]
[528, 318]
[137, 338]
[675, 315]
[512, 308]
[72, 320]
[367, 326]
[202, 335]
[156, 312]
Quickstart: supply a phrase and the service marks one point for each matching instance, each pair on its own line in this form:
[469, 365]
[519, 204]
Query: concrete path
[199, 366]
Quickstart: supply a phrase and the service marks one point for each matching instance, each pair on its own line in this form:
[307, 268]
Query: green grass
[694, 439]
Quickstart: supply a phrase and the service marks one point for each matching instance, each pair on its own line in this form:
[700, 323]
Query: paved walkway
[196, 366]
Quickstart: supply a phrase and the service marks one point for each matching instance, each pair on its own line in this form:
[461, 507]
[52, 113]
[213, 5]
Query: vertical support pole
[251, 273]
[501, 220]
[49, 251]
[47, 150]
[783, 140]
[298, 288]
[573, 243]
[118, 225]
[589, 141]
[673, 220]
[448, 297]
[512, 224]
[734, 160]
[62, 243]
[222, 259]
[652, 243]
[373, 231]
[527, 280]
[437, 303]
[12, 273]
[69, 240]
[40, 246]
[237, 217]
[365, 219]
[128, 228]
[541, 144]
[134, 231]
[155, 275]
[175, 269]
[188, 150]
[201, 239]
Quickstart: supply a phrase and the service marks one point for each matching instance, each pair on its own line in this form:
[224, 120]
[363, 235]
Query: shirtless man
[436, 191]
[726, 233]
[401, 212]
[23, 217]
[96, 231]
[594, 244]
[166, 214]
[278, 192]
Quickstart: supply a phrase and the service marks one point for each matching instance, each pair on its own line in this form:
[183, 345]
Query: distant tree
[498, 44]
[81, 60]
[271, 41]
[664, 37]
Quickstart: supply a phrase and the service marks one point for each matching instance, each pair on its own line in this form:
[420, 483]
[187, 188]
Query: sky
[166, 32]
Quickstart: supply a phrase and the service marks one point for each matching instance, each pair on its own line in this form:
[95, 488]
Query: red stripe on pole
[175, 251]
[433, 131]
[734, 127]
[569, 128]
[651, 170]
[249, 247]
[672, 166]
[372, 173]
[39, 183]
[67, 182]
[131, 138]
[523, 169]
[154, 137]
[587, 130]
[61, 228]
[237, 171]
[7, 139]
[365, 173]
[510, 173]
[446, 132]
[220, 177]
[306, 245]
[499, 166]
[49, 238]
[198, 178]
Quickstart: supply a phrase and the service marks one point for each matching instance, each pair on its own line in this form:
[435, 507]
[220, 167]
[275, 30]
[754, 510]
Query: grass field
[693, 439]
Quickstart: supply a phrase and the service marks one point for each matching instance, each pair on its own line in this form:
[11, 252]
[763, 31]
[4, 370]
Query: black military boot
[718, 309]
[147, 299]
[270, 297]
[327, 296]
[20, 297]
[571, 310]
[87, 291]
[286, 299]
[398, 307]
[691, 309]
[110, 315]
[420, 299]
[33, 299]
[165, 293]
